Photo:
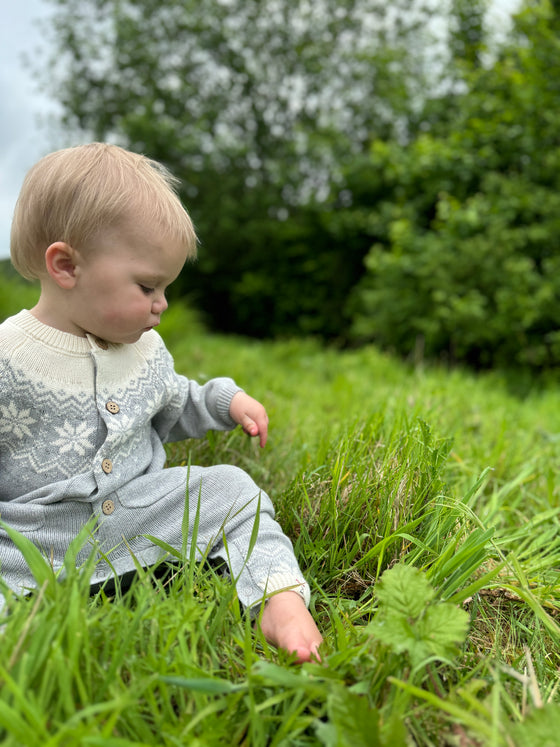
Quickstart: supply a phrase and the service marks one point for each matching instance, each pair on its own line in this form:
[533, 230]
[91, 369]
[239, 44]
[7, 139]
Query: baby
[89, 395]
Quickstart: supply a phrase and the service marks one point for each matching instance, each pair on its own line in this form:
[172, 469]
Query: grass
[423, 505]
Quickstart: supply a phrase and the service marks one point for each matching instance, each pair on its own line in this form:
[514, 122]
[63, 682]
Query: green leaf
[395, 631]
[207, 685]
[173, 552]
[442, 628]
[410, 620]
[267, 673]
[404, 589]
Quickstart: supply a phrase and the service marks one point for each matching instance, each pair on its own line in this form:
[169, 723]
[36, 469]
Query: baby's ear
[60, 261]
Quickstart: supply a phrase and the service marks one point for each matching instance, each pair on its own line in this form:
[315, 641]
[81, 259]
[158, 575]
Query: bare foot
[287, 623]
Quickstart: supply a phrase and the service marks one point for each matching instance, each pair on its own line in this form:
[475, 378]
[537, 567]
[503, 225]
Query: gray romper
[82, 428]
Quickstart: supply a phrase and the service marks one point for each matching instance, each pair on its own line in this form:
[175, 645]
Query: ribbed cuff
[283, 582]
[228, 391]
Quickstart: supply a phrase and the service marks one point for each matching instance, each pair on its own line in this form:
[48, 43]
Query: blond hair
[73, 194]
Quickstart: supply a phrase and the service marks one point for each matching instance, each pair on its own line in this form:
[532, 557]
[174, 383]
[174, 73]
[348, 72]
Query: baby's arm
[191, 409]
[250, 415]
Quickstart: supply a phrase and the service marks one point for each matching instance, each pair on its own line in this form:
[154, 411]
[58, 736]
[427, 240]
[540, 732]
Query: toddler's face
[121, 283]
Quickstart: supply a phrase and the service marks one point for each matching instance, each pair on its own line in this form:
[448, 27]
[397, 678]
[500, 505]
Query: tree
[256, 105]
[466, 253]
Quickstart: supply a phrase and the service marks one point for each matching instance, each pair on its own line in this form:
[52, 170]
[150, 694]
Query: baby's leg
[287, 623]
[261, 566]
[230, 518]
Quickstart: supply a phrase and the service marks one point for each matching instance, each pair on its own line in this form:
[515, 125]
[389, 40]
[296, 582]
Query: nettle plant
[413, 623]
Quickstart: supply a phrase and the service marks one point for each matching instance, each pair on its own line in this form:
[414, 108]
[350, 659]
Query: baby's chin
[126, 339]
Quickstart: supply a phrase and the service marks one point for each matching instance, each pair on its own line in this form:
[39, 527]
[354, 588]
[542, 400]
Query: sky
[25, 135]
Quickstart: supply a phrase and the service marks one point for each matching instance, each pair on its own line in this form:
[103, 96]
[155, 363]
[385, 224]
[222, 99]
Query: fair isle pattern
[14, 421]
[31, 408]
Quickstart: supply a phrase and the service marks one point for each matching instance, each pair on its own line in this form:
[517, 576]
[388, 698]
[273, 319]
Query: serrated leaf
[445, 623]
[442, 629]
[410, 621]
[394, 630]
[404, 589]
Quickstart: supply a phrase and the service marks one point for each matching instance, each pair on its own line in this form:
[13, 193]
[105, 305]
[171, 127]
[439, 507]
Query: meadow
[423, 506]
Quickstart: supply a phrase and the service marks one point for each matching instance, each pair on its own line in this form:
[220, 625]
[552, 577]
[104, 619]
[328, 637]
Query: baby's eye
[145, 290]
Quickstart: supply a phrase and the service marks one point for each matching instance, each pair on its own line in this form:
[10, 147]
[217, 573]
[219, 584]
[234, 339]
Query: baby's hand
[250, 415]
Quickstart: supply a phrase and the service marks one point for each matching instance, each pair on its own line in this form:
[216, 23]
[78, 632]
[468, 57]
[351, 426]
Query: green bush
[465, 258]
[15, 293]
[481, 285]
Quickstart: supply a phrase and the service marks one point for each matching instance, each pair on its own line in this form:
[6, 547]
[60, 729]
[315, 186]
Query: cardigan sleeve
[206, 408]
[190, 409]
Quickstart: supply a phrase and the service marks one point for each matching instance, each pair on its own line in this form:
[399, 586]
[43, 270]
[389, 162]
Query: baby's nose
[159, 305]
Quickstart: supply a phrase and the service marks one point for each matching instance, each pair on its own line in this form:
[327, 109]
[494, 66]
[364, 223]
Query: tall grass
[423, 505]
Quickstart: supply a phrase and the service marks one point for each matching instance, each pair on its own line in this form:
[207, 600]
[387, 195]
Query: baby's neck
[53, 315]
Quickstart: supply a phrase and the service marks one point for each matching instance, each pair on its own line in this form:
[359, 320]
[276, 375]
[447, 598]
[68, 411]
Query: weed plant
[423, 506]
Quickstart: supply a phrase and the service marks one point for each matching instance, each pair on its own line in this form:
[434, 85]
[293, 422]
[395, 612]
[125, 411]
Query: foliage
[349, 178]
[236, 83]
[15, 293]
[465, 220]
[410, 621]
[255, 105]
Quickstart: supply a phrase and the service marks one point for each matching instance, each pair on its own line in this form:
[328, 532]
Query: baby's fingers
[254, 428]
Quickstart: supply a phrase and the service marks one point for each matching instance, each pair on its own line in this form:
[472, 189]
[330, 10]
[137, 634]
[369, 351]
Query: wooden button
[108, 507]
[112, 407]
[107, 466]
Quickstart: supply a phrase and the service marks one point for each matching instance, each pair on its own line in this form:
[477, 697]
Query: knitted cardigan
[82, 427]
